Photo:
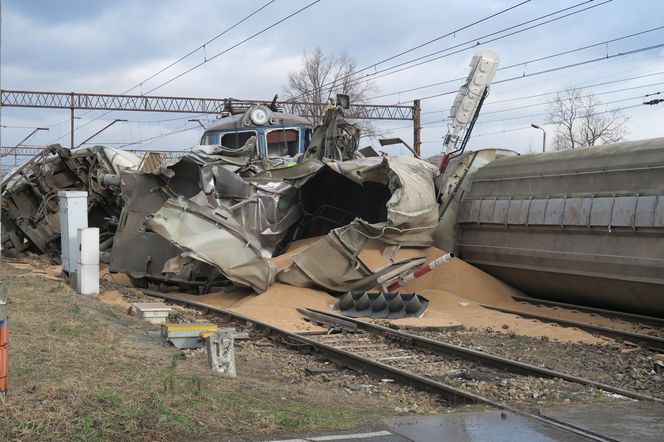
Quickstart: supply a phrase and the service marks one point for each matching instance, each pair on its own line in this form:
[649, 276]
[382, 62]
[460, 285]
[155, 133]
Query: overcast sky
[110, 46]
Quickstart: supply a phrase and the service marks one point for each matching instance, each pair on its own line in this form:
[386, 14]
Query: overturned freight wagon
[583, 226]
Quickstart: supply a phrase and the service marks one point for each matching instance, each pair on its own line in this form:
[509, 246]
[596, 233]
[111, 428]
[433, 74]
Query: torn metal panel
[346, 260]
[213, 236]
[232, 208]
[143, 254]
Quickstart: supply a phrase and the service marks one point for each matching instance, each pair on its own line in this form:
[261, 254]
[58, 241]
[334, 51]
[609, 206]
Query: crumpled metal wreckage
[30, 206]
[327, 217]
[220, 216]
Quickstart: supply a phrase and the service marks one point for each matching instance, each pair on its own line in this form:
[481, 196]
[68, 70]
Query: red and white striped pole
[426, 268]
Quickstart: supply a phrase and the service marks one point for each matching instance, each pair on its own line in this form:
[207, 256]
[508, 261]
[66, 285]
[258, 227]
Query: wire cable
[524, 63]
[254, 35]
[236, 24]
[392, 57]
[559, 68]
[190, 53]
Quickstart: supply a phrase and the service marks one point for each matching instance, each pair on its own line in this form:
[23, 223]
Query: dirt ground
[81, 369]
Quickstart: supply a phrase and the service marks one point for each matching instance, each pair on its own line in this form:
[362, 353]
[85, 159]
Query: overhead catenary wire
[473, 43]
[421, 45]
[543, 94]
[225, 31]
[252, 36]
[559, 68]
[523, 63]
[160, 136]
[521, 117]
[443, 111]
[530, 127]
[509, 109]
[203, 46]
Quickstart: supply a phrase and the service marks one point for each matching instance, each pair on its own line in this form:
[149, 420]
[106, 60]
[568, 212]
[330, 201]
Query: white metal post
[87, 272]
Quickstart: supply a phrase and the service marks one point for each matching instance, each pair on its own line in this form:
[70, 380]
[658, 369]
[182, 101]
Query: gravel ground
[623, 366]
[629, 367]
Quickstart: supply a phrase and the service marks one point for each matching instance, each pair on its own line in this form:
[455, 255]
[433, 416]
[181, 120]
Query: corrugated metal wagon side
[584, 226]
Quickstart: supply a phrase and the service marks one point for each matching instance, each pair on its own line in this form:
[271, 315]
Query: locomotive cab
[260, 132]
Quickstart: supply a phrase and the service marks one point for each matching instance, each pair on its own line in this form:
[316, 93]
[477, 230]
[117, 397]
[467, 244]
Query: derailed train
[581, 226]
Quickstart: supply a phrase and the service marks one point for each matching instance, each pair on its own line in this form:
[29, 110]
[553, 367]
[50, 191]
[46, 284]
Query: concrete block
[73, 216]
[153, 312]
[221, 354]
[87, 279]
[88, 240]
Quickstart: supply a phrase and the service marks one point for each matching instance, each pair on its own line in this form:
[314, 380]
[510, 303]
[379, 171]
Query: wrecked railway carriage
[30, 211]
[266, 198]
[220, 214]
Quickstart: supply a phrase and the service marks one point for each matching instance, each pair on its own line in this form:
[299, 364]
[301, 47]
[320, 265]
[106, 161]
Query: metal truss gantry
[116, 102]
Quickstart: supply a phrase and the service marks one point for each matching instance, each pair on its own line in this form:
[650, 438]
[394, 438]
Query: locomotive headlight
[259, 116]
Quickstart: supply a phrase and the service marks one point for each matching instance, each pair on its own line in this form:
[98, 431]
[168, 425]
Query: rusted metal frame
[445, 348]
[382, 370]
[649, 320]
[652, 342]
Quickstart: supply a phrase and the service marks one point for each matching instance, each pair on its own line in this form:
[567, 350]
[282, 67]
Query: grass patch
[85, 372]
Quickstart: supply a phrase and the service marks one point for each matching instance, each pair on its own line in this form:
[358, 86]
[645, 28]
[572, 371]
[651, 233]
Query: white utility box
[153, 312]
[87, 271]
[73, 216]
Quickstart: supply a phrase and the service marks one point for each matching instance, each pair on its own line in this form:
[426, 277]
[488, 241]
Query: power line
[203, 46]
[545, 113]
[435, 124]
[475, 42]
[567, 90]
[256, 34]
[529, 127]
[462, 28]
[160, 136]
[548, 93]
[523, 63]
[559, 68]
[172, 64]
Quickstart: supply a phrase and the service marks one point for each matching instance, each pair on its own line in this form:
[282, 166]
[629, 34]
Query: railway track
[458, 374]
[639, 320]
[652, 342]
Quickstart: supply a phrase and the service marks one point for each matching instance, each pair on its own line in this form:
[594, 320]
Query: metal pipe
[100, 131]
[110, 179]
[543, 136]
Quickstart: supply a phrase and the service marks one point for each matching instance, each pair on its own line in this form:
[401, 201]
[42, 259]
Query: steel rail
[468, 354]
[652, 342]
[631, 317]
[379, 369]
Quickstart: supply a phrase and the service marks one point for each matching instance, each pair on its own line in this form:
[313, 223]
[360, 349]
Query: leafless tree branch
[582, 121]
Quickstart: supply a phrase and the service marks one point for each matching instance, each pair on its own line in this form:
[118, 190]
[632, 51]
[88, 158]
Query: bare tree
[321, 77]
[583, 121]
